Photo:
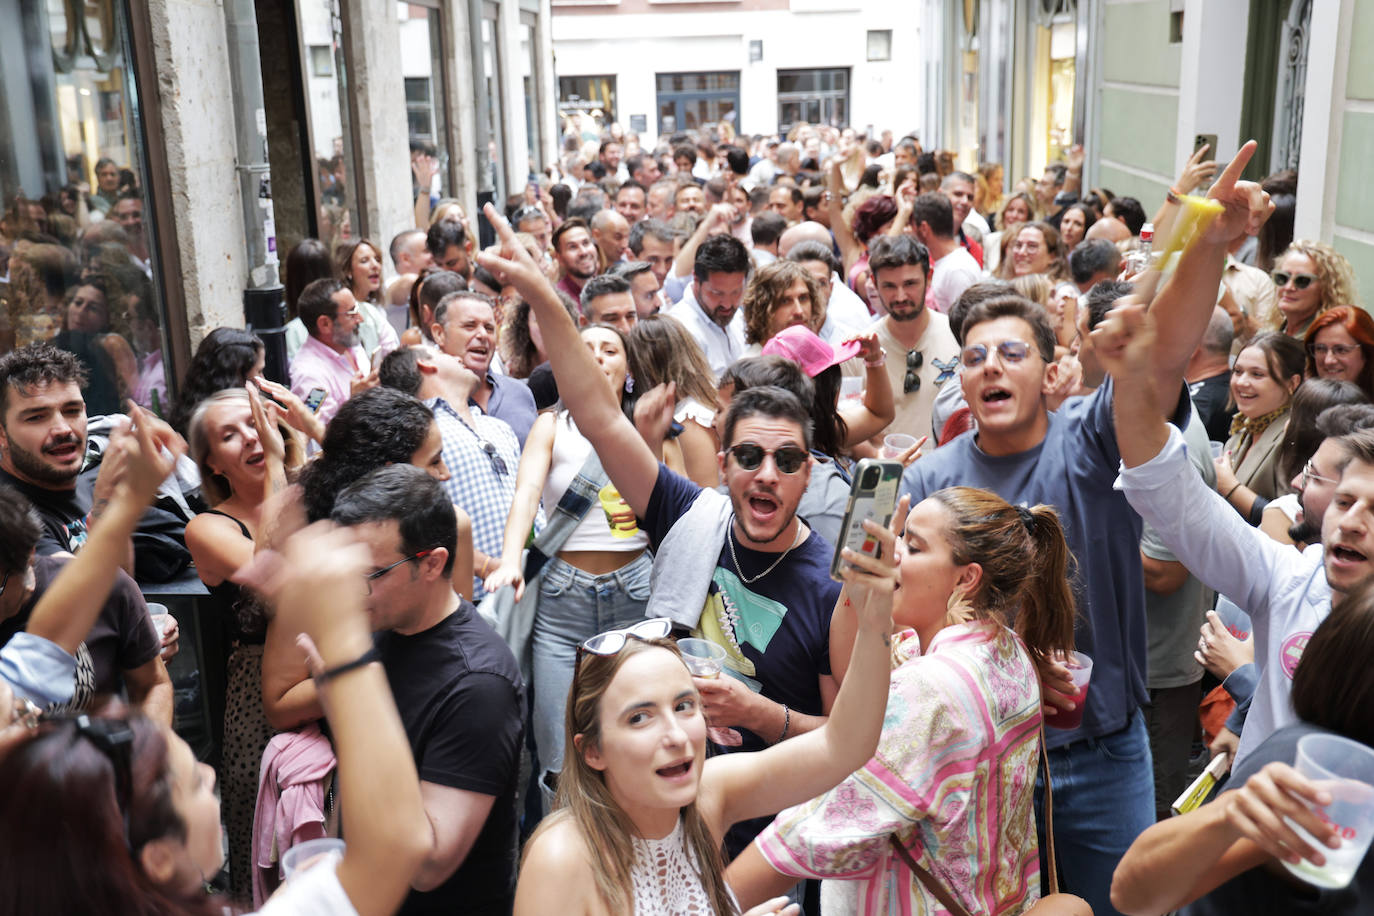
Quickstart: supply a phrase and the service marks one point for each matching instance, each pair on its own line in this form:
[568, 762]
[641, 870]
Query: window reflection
[76, 262]
[330, 124]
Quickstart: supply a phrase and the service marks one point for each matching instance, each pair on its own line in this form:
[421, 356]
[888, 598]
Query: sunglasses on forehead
[749, 456]
[612, 641]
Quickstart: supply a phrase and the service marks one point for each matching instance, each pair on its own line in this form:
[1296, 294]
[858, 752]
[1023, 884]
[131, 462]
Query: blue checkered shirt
[482, 463]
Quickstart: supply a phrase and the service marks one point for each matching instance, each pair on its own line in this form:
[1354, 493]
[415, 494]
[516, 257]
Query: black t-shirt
[1210, 397]
[62, 512]
[459, 693]
[122, 639]
[1258, 891]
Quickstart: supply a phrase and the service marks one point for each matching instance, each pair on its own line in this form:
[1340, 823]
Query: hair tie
[1027, 518]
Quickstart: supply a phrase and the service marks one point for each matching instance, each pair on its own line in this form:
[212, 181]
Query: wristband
[363, 660]
[786, 723]
[1230, 491]
[877, 363]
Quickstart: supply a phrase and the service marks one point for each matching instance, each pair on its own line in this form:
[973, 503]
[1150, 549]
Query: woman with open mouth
[359, 265]
[642, 813]
[953, 782]
[1266, 374]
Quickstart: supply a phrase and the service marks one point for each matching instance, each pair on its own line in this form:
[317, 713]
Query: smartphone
[873, 494]
[1210, 140]
[314, 399]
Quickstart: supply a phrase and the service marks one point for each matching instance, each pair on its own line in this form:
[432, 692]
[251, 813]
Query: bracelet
[1173, 195]
[877, 363]
[1232, 490]
[786, 723]
[367, 658]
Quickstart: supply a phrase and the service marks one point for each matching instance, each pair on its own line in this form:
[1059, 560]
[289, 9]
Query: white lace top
[666, 882]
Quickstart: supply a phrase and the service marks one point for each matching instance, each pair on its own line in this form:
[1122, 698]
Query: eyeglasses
[1340, 351]
[351, 313]
[612, 641]
[1300, 281]
[749, 456]
[374, 576]
[1309, 475]
[114, 739]
[5, 582]
[1011, 351]
[915, 359]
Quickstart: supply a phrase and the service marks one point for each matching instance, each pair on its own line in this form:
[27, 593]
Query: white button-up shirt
[722, 346]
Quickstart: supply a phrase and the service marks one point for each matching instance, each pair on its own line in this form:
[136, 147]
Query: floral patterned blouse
[954, 779]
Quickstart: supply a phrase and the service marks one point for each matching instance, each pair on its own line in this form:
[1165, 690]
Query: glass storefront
[77, 261]
[422, 68]
[690, 101]
[330, 116]
[586, 104]
[813, 96]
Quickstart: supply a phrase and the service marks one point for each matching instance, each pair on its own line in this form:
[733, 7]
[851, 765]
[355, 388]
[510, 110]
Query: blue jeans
[573, 607]
[1104, 797]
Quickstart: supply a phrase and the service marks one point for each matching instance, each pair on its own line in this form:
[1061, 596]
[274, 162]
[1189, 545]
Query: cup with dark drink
[1081, 669]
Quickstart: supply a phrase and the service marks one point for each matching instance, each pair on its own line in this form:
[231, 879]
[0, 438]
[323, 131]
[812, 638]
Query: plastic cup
[894, 444]
[307, 854]
[612, 503]
[1217, 448]
[160, 617]
[703, 657]
[1345, 769]
[1081, 669]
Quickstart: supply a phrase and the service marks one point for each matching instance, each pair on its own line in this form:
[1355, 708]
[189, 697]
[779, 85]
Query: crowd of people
[454, 552]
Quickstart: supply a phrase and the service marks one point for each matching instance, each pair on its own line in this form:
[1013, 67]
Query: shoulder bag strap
[1049, 811]
[936, 889]
[577, 501]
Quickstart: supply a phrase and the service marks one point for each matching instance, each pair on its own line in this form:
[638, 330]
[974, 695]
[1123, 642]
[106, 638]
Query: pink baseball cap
[801, 345]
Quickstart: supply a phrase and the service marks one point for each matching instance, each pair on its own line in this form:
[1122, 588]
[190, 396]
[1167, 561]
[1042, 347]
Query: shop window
[422, 68]
[76, 227]
[586, 104]
[690, 101]
[331, 132]
[813, 97]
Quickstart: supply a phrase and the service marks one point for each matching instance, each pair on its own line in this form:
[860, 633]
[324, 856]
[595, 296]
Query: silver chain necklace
[730, 539]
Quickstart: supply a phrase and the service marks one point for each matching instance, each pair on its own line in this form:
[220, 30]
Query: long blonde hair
[584, 798]
[1334, 273]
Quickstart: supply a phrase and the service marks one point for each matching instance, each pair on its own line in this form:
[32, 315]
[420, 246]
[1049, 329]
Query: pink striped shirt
[953, 779]
[319, 366]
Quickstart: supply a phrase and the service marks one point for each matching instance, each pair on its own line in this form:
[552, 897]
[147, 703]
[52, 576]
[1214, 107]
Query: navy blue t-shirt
[1074, 470]
[775, 631]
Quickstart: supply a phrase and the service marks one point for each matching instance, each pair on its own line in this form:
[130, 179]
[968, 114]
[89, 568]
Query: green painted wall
[1136, 45]
[1124, 184]
[1355, 202]
[1139, 129]
[1360, 77]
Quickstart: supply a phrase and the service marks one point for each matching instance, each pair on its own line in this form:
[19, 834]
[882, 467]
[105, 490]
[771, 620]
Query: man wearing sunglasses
[1102, 771]
[742, 569]
[457, 688]
[917, 340]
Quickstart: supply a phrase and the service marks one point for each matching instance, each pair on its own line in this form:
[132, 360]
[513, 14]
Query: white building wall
[814, 34]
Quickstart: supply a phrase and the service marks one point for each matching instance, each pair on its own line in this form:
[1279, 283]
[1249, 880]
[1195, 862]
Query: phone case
[873, 494]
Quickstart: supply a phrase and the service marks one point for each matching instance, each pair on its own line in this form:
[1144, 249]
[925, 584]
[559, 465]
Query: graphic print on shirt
[84, 690]
[734, 616]
[1290, 653]
[946, 369]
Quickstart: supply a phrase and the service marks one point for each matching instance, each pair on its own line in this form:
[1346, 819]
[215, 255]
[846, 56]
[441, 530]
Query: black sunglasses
[749, 456]
[915, 359]
[1300, 281]
[114, 739]
[497, 461]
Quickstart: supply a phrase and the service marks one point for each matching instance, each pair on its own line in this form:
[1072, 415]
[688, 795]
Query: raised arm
[740, 786]
[582, 386]
[1185, 304]
[878, 408]
[851, 249]
[715, 218]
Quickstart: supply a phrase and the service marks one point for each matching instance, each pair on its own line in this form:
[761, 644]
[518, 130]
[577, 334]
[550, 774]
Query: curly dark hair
[37, 364]
[871, 215]
[378, 427]
[223, 360]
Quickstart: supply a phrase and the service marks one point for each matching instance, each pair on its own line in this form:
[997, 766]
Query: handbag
[514, 620]
[1053, 904]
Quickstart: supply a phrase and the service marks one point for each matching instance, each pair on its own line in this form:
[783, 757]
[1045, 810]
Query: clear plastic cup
[307, 854]
[894, 444]
[1081, 669]
[703, 657]
[160, 617]
[1345, 769]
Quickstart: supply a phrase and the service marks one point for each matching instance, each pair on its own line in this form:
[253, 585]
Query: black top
[1260, 891]
[1212, 397]
[236, 604]
[459, 693]
[62, 512]
[122, 639]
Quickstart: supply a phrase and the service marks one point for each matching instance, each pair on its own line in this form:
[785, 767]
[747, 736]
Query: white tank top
[570, 451]
[665, 878]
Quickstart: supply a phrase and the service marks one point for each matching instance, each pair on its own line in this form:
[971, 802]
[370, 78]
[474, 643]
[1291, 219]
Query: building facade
[1142, 82]
[763, 66]
[237, 128]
